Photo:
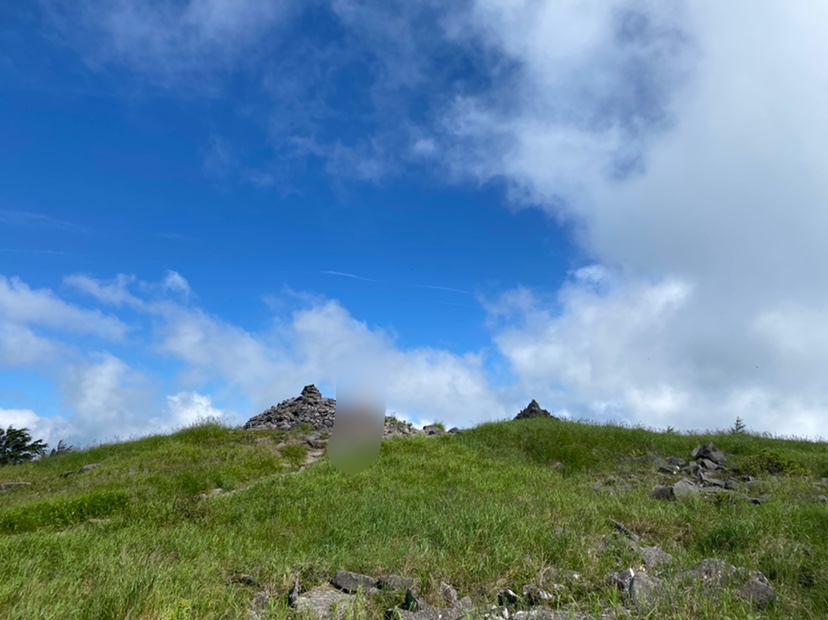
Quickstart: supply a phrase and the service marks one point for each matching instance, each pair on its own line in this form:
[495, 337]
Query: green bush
[770, 462]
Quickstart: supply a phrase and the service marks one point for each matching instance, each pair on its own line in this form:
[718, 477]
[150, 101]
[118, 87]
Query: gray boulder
[710, 452]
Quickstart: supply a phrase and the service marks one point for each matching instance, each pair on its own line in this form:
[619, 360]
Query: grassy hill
[483, 510]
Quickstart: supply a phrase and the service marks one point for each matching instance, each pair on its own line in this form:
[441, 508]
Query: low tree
[738, 428]
[16, 446]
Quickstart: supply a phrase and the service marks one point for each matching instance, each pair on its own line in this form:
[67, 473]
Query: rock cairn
[319, 412]
[309, 408]
[533, 410]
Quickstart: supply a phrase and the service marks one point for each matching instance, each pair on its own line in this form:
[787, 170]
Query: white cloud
[107, 396]
[684, 141]
[21, 347]
[49, 430]
[187, 408]
[21, 305]
[113, 292]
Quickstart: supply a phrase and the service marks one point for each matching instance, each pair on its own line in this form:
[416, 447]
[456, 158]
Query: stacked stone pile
[533, 410]
[315, 410]
[309, 408]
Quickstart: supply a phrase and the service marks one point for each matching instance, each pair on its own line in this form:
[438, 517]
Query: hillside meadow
[486, 509]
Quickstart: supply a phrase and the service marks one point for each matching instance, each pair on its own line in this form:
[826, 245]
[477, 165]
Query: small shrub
[769, 462]
[439, 425]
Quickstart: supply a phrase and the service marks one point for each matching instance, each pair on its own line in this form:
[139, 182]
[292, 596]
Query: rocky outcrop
[533, 410]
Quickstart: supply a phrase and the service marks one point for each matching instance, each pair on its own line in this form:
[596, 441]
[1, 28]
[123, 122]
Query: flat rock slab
[324, 603]
[350, 582]
[654, 557]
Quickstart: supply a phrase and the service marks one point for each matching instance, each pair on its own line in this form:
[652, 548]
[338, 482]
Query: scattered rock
[413, 600]
[644, 589]
[349, 582]
[621, 580]
[663, 492]
[757, 590]
[5, 486]
[82, 470]
[508, 598]
[449, 593]
[654, 557]
[639, 589]
[625, 531]
[534, 595]
[710, 452]
[211, 493]
[323, 602]
[685, 487]
[245, 580]
[433, 430]
[395, 582]
[711, 571]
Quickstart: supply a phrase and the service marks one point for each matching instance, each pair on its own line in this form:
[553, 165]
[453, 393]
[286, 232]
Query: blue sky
[611, 207]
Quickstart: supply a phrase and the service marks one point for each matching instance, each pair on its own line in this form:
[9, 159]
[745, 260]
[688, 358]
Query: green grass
[479, 510]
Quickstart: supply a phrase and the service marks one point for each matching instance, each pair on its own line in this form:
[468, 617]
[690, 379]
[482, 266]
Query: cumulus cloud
[683, 142]
[114, 292]
[48, 429]
[25, 311]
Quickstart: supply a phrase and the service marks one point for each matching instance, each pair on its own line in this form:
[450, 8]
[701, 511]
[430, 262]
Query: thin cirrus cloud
[29, 219]
[348, 275]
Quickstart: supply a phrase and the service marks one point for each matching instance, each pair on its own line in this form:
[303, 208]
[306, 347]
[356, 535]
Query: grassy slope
[477, 510]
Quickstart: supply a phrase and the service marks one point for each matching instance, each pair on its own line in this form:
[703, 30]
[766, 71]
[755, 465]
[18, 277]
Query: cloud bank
[683, 142]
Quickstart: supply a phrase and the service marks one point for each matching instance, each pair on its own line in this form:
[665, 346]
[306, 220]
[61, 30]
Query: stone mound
[533, 410]
[319, 412]
[309, 408]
